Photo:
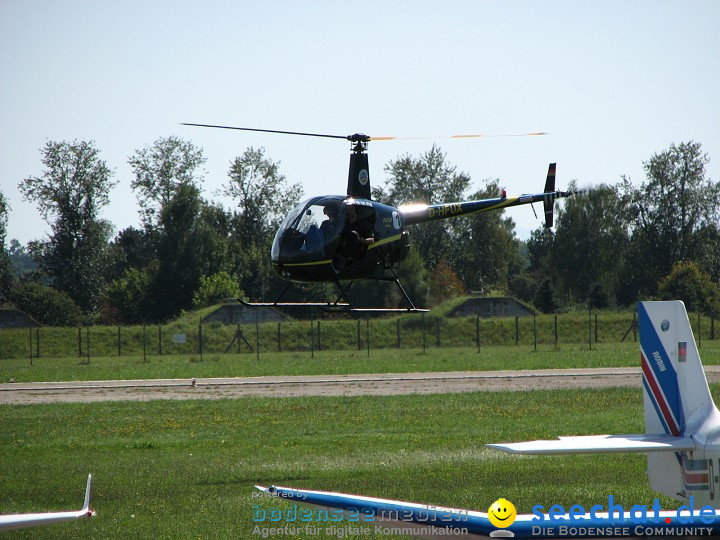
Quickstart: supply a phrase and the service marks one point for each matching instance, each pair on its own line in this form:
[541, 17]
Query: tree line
[612, 245]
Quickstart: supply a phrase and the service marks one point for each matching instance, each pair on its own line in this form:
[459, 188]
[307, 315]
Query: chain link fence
[412, 331]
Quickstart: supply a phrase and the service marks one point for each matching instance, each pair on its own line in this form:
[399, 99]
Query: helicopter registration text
[445, 210]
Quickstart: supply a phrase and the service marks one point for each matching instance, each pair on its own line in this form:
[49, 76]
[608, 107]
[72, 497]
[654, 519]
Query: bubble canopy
[310, 232]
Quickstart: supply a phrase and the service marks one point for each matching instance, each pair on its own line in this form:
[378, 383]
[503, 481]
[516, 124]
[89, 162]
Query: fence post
[119, 342]
[30, 334]
[477, 332]
[590, 328]
[423, 333]
[312, 337]
[279, 338]
[699, 331]
[517, 330]
[145, 342]
[596, 328]
[37, 343]
[398, 332]
[87, 336]
[712, 327]
[257, 335]
[318, 336]
[358, 335]
[556, 331]
[634, 326]
[534, 334]
[80, 352]
[159, 340]
[367, 334]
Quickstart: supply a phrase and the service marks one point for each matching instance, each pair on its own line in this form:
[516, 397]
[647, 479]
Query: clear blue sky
[612, 82]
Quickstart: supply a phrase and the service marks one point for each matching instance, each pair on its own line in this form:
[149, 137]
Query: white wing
[600, 444]
[20, 521]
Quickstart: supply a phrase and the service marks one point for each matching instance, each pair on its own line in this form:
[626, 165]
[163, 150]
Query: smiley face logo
[502, 513]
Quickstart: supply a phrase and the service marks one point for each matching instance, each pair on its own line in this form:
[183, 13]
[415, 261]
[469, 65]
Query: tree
[591, 237]
[545, 298]
[160, 169]
[6, 271]
[136, 248]
[428, 179]
[21, 261]
[706, 250]
[668, 211]
[188, 248]
[128, 298]
[444, 284]
[262, 193]
[491, 248]
[184, 237]
[264, 198]
[70, 193]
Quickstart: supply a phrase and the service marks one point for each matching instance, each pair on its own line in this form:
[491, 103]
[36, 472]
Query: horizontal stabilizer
[600, 444]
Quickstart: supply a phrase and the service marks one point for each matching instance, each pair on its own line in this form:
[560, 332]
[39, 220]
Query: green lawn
[331, 362]
[186, 469]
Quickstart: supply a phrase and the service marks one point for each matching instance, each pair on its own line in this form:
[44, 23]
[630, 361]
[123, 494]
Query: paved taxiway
[324, 385]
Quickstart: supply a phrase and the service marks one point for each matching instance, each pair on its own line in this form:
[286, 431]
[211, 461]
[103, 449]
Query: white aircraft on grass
[20, 521]
[681, 439]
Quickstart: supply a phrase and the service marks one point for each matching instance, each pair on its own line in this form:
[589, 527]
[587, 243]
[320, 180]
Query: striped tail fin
[676, 398]
[682, 424]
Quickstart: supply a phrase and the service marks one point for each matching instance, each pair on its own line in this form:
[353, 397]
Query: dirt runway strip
[324, 385]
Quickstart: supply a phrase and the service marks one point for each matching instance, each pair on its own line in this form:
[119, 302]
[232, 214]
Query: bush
[46, 305]
[216, 288]
[688, 283]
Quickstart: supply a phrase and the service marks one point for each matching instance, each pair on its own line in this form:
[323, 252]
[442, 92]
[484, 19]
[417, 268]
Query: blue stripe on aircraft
[659, 361]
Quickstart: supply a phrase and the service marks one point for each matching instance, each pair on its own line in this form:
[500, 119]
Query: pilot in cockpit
[329, 227]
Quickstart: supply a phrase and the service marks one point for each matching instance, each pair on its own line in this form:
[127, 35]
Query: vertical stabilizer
[682, 424]
[549, 203]
[676, 396]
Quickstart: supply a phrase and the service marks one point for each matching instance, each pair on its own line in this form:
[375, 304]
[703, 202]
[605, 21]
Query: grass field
[331, 362]
[187, 469]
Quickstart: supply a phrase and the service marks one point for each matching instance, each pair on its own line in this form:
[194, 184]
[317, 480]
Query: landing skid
[337, 306]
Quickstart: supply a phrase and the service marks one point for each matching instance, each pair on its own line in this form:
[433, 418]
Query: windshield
[311, 231]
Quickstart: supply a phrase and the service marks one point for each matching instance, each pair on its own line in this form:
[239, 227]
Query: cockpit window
[311, 231]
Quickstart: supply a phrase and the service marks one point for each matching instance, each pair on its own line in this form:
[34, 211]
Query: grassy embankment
[405, 331]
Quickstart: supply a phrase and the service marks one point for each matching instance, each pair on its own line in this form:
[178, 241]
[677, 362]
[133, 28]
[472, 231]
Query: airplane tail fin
[680, 415]
[676, 396]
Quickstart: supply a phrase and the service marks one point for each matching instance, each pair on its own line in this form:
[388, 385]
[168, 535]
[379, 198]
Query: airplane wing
[20, 521]
[600, 444]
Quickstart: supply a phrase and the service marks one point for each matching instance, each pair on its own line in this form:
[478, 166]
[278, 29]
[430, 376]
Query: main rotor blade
[469, 136]
[361, 137]
[346, 137]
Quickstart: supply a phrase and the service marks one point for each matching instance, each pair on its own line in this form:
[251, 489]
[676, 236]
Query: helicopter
[344, 238]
